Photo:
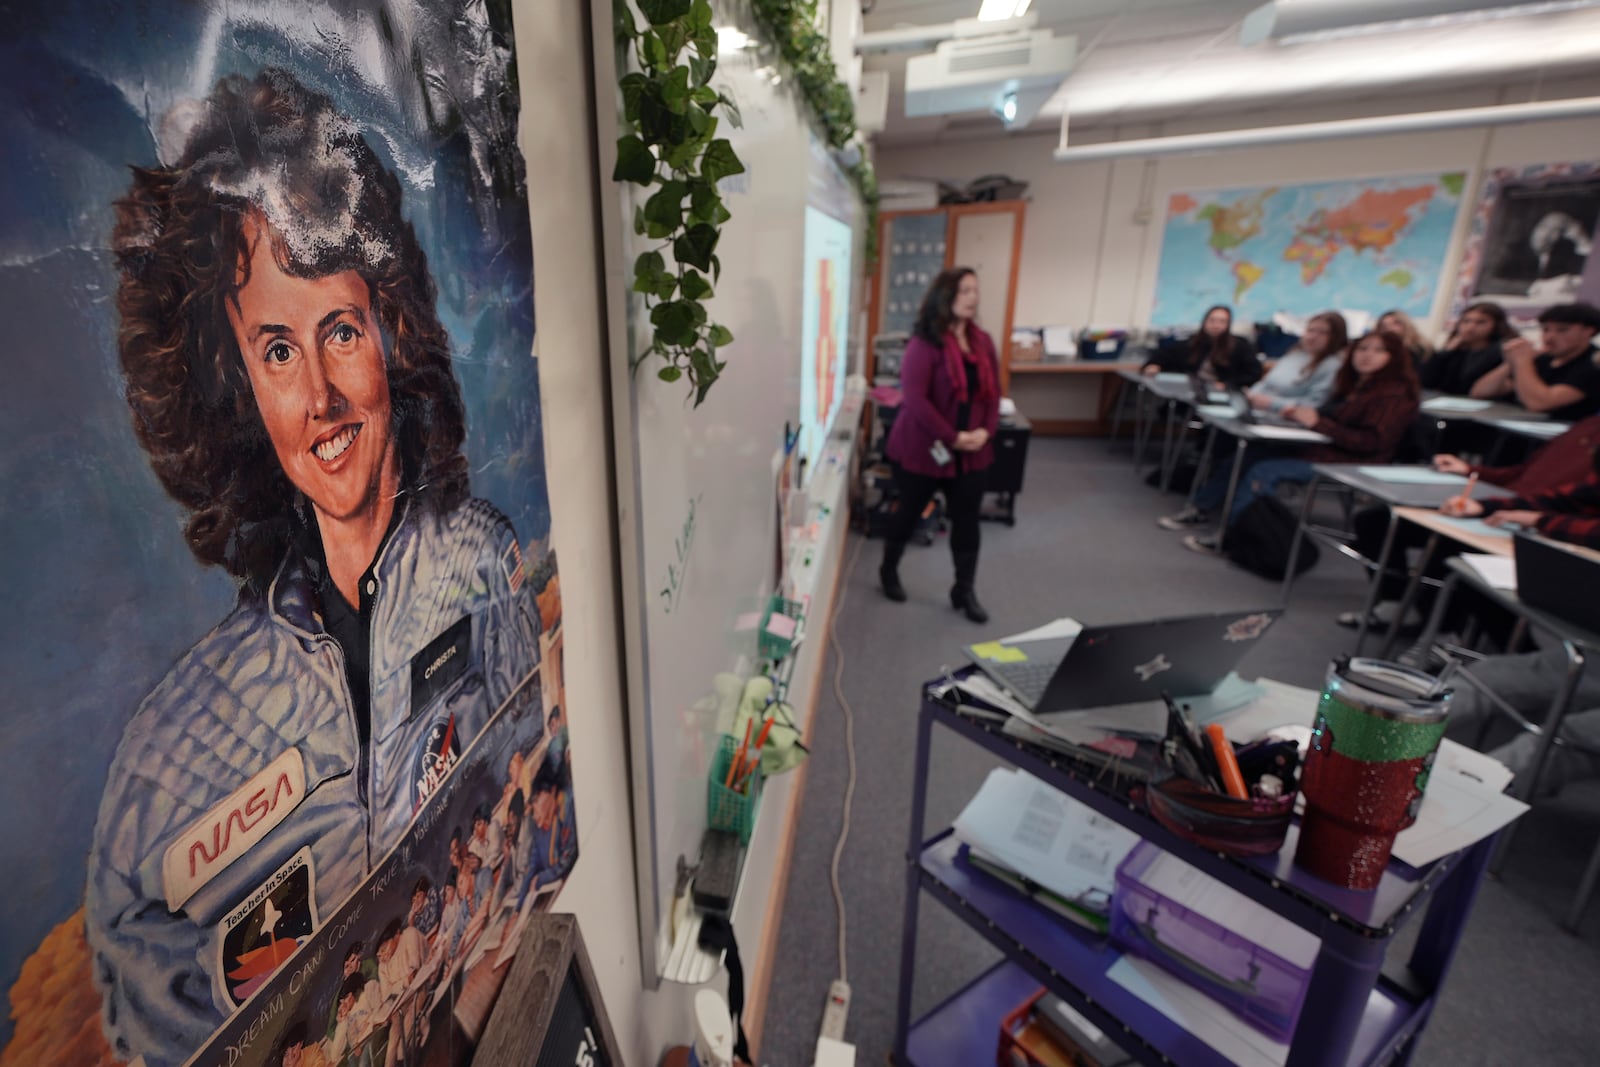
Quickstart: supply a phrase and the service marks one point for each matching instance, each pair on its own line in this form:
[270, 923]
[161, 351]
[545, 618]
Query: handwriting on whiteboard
[682, 546]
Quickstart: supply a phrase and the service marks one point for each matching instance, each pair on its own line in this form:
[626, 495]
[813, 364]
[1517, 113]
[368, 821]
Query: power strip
[837, 1010]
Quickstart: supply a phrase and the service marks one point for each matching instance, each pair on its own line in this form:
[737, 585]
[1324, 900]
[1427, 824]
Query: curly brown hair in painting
[270, 149]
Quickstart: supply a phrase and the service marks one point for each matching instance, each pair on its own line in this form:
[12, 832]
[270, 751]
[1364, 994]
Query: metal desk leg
[1299, 535]
[1411, 597]
[1377, 581]
[1342, 979]
[1169, 448]
[1204, 469]
[908, 929]
[1116, 416]
[1580, 902]
[1233, 488]
[1524, 788]
[1141, 426]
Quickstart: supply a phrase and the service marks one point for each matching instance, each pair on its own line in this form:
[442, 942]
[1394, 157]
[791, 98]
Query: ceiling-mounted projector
[1009, 73]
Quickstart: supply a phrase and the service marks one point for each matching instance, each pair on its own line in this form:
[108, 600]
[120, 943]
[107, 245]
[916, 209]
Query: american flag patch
[511, 564]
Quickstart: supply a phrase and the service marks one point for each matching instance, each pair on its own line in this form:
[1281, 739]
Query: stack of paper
[1046, 844]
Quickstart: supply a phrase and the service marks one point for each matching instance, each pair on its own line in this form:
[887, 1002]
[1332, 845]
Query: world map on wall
[1369, 245]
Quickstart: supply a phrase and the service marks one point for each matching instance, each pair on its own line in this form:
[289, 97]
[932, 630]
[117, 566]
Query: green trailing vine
[792, 25]
[670, 145]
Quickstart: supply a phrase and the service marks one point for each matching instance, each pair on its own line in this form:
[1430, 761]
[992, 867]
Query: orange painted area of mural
[56, 1007]
[1181, 204]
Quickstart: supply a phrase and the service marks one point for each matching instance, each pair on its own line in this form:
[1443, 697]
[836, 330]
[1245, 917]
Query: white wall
[557, 142]
[1093, 233]
[557, 139]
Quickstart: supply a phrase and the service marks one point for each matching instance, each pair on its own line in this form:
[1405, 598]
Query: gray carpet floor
[1522, 990]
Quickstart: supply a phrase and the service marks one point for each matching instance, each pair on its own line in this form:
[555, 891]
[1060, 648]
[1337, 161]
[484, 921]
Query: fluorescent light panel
[1000, 10]
[1433, 22]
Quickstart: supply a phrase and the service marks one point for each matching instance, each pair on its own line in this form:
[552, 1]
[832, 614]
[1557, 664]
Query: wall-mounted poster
[824, 327]
[1368, 245]
[283, 693]
[1532, 237]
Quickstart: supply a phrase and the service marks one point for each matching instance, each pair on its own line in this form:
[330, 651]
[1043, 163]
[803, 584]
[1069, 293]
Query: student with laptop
[1215, 353]
[1375, 397]
[1304, 376]
[1563, 381]
[1559, 462]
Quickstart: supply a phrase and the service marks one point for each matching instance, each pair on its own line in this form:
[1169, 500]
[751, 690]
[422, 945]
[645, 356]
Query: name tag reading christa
[233, 827]
[443, 661]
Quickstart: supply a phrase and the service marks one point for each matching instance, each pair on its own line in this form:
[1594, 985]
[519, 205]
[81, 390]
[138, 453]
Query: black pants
[963, 495]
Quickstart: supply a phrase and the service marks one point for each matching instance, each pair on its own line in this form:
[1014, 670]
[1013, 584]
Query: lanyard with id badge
[941, 455]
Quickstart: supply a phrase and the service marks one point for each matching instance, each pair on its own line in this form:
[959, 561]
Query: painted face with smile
[314, 356]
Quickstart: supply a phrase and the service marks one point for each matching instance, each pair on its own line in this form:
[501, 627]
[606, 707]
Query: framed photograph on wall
[1532, 239]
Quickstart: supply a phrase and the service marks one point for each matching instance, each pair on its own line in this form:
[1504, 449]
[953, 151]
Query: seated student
[1214, 353]
[1563, 381]
[1472, 351]
[1374, 399]
[1305, 375]
[1561, 461]
[1568, 513]
[1401, 325]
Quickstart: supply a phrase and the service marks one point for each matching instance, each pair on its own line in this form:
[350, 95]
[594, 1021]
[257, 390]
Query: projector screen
[824, 328]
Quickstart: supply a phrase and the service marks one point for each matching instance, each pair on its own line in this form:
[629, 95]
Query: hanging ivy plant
[805, 50]
[670, 146]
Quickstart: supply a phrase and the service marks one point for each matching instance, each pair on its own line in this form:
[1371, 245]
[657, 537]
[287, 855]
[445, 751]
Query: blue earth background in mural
[1370, 245]
[104, 595]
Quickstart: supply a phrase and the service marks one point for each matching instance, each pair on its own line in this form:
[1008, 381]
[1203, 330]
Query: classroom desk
[1439, 526]
[1168, 392]
[1575, 641]
[1243, 433]
[1395, 494]
[1439, 407]
[1526, 424]
[1070, 397]
[1353, 1013]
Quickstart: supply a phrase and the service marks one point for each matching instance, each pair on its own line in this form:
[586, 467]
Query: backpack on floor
[1259, 540]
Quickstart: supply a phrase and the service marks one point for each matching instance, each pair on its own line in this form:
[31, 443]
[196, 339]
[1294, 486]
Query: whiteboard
[697, 487]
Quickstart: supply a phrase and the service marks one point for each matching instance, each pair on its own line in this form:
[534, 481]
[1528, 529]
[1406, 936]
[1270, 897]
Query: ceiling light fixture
[1418, 122]
[1000, 10]
[1304, 21]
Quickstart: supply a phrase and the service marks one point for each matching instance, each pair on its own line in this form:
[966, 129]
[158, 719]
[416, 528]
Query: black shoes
[889, 580]
[964, 600]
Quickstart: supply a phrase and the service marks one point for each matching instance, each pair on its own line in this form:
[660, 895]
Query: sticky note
[1011, 655]
[781, 626]
[988, 650]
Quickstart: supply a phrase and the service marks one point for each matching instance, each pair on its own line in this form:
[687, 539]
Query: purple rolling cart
[1358, 1010]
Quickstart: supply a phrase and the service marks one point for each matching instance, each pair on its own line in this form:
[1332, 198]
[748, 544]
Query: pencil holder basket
[1254, 826]
[776, 646]
[728, 809]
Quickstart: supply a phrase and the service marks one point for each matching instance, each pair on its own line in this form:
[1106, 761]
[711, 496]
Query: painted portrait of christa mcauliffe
[291, 385]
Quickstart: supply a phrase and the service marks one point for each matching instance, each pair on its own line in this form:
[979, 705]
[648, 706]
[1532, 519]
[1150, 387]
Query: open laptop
[1125, 664]
[1558, 579]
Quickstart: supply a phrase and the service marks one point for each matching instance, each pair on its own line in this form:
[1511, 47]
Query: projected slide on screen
[824, 329]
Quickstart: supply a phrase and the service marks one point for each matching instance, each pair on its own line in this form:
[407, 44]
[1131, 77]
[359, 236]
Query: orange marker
[1227, 765]
[738, 757]
[1466, 493]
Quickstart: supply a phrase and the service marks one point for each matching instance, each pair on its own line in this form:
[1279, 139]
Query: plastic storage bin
[1102, 344]
[729, 809]
[1260, 986]
[776, 646]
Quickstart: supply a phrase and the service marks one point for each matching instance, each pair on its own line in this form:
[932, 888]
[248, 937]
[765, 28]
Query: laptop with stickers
[1557, 578]
[1130, 663]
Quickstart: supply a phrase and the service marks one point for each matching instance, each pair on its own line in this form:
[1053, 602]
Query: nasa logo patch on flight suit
[232, 828]
[264, 929]
[439, 753]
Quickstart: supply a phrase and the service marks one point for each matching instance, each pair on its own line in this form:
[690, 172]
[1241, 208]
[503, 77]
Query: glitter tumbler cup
[1378, 727]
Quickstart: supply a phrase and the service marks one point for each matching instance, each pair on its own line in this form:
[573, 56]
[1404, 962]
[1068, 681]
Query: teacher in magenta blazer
[943, 438]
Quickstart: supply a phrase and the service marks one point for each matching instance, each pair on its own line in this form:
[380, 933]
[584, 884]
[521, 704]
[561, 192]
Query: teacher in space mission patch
[292, 386]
